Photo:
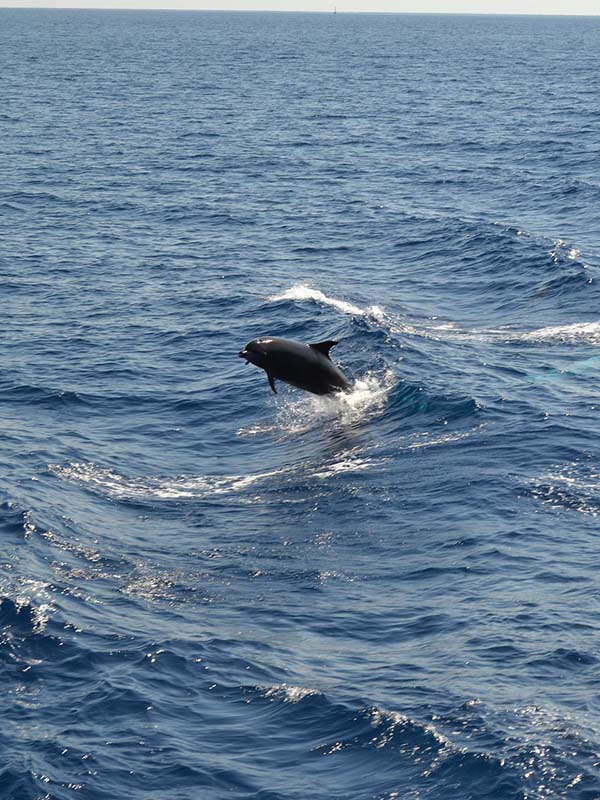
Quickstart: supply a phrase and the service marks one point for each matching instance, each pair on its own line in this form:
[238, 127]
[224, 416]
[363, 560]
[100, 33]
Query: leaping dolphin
[306, 366]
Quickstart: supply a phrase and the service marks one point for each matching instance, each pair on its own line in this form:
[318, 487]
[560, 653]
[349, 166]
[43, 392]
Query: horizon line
[25, 7]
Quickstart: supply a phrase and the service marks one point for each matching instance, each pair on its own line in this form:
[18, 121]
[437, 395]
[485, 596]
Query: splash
[367, 399]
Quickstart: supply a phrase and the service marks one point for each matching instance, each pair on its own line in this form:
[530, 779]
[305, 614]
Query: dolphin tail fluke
[272, 383]
[324, 347]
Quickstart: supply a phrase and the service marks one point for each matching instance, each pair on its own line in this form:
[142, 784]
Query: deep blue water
[209, 591]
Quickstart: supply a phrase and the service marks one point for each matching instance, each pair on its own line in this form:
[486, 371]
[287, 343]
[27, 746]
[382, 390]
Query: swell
[401, 325]
[245, 488]
[326, 743]
[480, 270]
[394, 344]
[586, 332]
[393, 401]
[404, 415]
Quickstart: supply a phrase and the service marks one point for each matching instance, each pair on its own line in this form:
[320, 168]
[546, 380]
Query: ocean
[211, 591]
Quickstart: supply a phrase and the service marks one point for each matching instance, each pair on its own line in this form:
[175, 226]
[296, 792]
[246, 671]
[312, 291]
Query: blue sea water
[207, 590]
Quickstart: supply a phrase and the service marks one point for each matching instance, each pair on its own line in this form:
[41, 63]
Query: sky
[591, 7]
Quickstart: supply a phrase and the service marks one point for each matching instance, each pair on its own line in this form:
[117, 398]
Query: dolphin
[306, 366]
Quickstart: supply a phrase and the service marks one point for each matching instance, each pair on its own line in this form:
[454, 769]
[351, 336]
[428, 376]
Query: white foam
[586, 332]
[392, 323]
[564, 486]
[302, 292]
[35, 595]
[421, 440]
[108, 482]
[111, 483]
[390, 720]
[577, 332]
[351, 464]
[562, 248]
[289, 694]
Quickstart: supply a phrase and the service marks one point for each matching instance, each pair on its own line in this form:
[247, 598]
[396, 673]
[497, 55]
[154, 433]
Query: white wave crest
[351, 464]
[392, 323]
[301, 292]
[577, 332]
[418, 441]
[585, 332]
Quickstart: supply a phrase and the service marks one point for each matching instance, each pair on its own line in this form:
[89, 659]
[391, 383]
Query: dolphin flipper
[272, 383]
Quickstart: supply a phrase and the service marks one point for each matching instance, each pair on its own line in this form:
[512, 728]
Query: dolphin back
[310, 367]
[307, 367]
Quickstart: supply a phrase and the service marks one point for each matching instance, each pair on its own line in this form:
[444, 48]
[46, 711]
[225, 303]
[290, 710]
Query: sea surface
[211, 591]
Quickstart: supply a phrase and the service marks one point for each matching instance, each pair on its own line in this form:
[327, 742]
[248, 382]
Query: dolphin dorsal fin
[324, 347]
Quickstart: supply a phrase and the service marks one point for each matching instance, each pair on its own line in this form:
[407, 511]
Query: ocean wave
[388, 322]
[108, 482]
[422, 440]
[288, 693]
[587, 332]
[347, 464]
[15, 520]
[26, 784]
[394, 323]
[572, 333]
[390, 751]
[536, 753]
[43, 396]
[301, 293]
[18, 616]
[412, 404]
[372, 727]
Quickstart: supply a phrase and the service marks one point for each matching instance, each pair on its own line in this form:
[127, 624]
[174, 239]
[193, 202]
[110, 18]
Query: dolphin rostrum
[306, 366]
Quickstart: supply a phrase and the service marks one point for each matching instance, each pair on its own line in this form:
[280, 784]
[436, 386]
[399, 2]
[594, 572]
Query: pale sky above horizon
[574, 7]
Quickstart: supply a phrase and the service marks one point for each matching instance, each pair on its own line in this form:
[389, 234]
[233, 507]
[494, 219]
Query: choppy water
[209, 591]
